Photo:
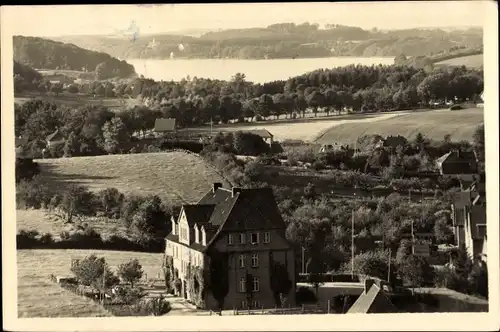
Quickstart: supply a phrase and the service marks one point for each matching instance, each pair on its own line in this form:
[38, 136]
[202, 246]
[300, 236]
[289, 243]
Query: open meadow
[38, 296]
[472, 61]
[43, 222]
[303, 129]
[140, 174]
[460, 124]
[74, 100]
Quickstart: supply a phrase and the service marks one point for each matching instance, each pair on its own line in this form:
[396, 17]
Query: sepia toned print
[317, 165]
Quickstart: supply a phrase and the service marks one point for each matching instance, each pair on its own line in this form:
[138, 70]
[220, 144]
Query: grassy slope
[40, 297]
[459, 124]
[473, 61]
[44, 222]
[174, 176]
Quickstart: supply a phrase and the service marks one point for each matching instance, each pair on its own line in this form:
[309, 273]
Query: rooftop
[164, 125]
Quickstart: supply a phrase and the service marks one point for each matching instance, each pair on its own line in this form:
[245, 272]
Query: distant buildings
[243, 229]
[165, 126]
[458, 164]
[469, 220]
[263, 133]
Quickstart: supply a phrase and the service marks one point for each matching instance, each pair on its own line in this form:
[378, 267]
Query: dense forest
[47, 54]
[288, 40]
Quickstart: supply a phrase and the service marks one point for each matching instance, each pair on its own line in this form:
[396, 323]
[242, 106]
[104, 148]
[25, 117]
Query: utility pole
[352, 246]
[303, 260]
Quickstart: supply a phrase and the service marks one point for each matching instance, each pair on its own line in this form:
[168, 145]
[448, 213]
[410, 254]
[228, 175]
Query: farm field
[139, 174]
[303, 129]
[41, 221]
[40, 297]
[73, 100]
[460, 124]
[473, 61]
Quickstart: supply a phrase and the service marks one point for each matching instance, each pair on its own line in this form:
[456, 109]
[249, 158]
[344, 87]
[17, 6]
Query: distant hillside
[48, 54]
[285, 40]
[26, 72]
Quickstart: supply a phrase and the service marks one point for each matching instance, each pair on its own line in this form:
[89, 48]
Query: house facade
[469, 221]
[243, 229]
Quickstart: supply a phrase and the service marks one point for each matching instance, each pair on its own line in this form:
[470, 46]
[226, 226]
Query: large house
[236, 238]
[164, 126]
[469, 220]
[263, 133]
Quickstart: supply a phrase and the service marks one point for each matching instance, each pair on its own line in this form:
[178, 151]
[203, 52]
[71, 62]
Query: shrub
[305, 295]
[130, 272]
[33, 194]
[128, 295]
[455, 107]
[156, 306]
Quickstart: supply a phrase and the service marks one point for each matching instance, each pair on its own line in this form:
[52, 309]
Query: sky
[150, 19]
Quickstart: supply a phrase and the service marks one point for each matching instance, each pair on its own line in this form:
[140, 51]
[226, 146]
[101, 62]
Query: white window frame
[241, 261]
[251, 237]
[255, 304]
[244, 304]
[255, 282]
[242, 238]
[255, 260]
[230, 238]
[267, 237]
[242, 287]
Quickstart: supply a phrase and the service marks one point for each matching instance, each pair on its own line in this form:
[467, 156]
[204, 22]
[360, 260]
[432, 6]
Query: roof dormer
[196, 233]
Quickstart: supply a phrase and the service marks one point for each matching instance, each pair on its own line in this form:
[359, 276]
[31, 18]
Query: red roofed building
[235, 235]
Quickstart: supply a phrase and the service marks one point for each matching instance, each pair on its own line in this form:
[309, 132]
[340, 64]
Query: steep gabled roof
[260, 132]
[198, 213]
[164, 125]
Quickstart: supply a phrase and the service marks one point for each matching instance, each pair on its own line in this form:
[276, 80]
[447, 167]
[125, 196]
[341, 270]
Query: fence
[304, 309]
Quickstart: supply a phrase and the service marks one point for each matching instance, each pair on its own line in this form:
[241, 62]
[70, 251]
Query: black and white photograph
[286, 161]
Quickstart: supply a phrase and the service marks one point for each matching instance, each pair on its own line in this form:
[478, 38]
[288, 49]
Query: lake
[258, 71]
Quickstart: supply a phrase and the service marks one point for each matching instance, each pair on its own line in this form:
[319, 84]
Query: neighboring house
[330, 147]
[469, 220]
[55, 139]
[459, 164]
[165, 126]
[266, 135]
[242, 228]
[372, 300]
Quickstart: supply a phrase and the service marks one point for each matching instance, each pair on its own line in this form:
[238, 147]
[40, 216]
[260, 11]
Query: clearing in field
[38, 296]
[460, 124]
[303, 129]
[472, 61]
[43, 222]
[176, 177]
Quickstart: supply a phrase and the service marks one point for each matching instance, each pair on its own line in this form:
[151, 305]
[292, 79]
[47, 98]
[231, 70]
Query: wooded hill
[43, 53]
[286, 40]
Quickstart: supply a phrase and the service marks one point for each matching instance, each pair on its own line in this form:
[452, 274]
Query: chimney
[236, 190]
[216, 186]
[368, 284]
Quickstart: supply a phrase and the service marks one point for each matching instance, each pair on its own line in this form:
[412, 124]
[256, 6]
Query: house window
[267, 237]
[254, 238]
[255, 284]
[255, 304]
[244, 304]
[230, 239]
[243, 285]
[255, 260]
[241, 261]
[242, 238]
